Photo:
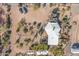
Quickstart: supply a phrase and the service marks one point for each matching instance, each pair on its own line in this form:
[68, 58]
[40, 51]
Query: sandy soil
[40, 15]
[74, 35]
[75, 27]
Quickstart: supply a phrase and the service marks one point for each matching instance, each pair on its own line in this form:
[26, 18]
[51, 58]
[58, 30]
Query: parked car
[75, 48]
[23, 9]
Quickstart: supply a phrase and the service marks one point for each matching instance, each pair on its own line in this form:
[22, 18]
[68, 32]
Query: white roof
[52, 30]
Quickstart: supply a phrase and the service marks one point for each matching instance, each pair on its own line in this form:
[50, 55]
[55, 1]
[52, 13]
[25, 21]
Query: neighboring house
[52, 29]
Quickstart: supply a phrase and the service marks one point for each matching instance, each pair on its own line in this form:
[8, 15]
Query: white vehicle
[75, 48]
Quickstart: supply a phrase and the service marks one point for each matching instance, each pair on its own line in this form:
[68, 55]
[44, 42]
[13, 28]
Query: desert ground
[74, 21]
[41, 15]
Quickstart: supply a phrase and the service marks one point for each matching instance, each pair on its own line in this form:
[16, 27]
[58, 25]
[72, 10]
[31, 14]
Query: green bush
[57, 51]
[40, 47]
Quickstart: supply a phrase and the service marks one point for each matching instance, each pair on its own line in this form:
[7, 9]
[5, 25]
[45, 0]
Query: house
[52, 29]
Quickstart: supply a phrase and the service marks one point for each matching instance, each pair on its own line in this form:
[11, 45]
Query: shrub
[40, 47]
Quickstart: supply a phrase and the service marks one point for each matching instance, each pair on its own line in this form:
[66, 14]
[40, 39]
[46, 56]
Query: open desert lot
[24, 29]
